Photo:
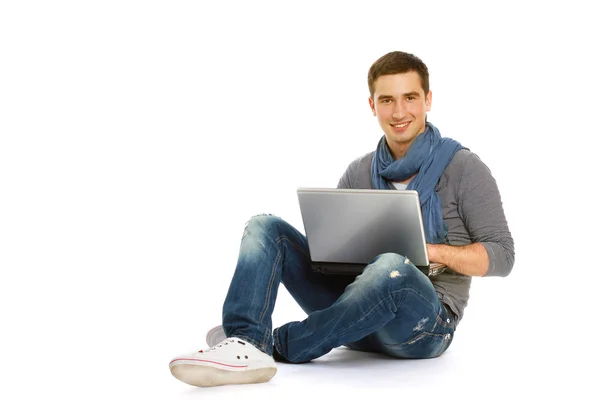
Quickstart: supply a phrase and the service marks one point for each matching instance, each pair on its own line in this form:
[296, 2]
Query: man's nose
[399, 110]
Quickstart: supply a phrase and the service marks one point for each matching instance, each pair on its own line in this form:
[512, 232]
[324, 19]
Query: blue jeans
[391, 308]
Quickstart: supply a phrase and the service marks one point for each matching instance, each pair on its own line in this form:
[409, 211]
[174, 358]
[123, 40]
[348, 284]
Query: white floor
[498, 352]
[123, 353]
[117, 342]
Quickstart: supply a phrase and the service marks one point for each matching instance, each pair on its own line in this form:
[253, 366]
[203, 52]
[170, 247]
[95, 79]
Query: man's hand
[471, 259]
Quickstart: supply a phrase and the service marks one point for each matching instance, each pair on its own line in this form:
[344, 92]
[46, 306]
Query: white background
[138, 137]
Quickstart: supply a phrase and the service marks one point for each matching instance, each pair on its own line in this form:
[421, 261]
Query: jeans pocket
[446, 318]
[429, 344]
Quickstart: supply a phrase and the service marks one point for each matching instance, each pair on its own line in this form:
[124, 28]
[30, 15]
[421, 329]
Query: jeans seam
[282, 238]
[441, 321]
[446, 341]
[268, 299]
[276, 342]
[273, 273]
[417, 336]
[278, 242]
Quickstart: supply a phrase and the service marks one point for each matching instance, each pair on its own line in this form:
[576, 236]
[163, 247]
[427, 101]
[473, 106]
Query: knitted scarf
[428, 156]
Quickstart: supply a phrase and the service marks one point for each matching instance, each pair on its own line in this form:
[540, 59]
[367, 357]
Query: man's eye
[410, 98]
[386, 100]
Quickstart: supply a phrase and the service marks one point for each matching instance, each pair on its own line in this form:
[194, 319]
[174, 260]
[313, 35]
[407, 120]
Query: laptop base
[357, 269]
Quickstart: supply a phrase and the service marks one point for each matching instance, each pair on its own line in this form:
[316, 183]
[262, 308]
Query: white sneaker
[215, 336]
[232, 361]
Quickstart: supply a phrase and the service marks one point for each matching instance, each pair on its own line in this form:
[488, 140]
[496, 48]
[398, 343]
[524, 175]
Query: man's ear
[428, 101]
[372, 105]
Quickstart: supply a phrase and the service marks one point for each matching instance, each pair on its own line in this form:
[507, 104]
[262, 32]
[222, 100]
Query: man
[409, 316]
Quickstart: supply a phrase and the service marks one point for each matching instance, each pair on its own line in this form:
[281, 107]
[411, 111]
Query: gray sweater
[472, 209]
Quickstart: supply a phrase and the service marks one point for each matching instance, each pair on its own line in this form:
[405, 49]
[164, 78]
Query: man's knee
[261, 224]
[390, 266]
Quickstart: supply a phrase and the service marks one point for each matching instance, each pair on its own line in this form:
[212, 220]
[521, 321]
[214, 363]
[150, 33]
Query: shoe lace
[223, 343]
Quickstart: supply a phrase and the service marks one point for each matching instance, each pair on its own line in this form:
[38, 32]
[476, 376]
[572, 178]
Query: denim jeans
[391, 308]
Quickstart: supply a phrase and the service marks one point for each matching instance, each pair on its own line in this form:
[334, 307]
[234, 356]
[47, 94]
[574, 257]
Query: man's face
[400, 106]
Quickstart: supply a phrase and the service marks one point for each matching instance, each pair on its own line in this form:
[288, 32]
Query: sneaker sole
[204, 376]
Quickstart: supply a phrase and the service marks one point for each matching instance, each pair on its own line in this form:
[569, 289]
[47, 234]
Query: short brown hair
[398, 62]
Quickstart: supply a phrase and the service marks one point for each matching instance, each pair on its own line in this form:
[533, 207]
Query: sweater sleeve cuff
[498, 261]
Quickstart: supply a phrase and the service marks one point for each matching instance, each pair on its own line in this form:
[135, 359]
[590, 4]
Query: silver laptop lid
[355, 225]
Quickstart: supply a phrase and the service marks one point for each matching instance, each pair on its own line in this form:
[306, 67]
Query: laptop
[347, 228]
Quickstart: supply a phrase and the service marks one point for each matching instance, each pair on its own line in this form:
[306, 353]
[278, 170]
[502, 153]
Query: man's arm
[471, 259]
[352, 178]
[479, 205]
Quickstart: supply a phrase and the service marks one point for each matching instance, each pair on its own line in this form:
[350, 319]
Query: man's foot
[217, 335]
[232, 361]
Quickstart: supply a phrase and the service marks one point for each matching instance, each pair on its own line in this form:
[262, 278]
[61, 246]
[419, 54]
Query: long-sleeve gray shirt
[471, 208]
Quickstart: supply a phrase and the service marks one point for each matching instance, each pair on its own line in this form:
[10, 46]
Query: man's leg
[430, 338]
[271, 251]
[391, 291]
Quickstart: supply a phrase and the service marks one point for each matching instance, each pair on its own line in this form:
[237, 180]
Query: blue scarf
[429, 155]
